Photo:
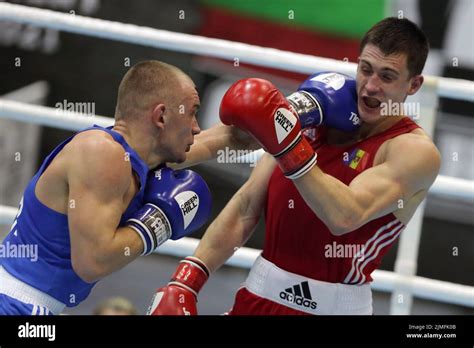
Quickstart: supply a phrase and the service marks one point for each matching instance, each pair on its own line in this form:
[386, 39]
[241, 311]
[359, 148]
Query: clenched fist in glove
[178, 202]
[258, 107]
[179, 297]
[327, 98]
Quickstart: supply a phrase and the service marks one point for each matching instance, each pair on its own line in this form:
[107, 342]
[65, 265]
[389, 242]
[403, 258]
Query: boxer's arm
[208, 142]
[411, 165]
[98, 177]
[228, 231]
[237, 221]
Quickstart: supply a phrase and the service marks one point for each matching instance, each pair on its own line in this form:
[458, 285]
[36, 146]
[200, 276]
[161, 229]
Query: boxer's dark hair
[394, 36]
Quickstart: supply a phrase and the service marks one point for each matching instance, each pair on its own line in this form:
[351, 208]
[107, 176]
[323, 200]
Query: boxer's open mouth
[371, 102]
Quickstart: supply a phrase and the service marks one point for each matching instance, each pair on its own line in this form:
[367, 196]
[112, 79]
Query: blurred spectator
[115, 306]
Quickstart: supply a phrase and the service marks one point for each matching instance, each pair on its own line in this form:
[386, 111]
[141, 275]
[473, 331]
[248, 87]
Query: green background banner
[348, 18]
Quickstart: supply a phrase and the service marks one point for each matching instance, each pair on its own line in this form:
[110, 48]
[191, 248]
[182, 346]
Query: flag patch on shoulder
[357, 159]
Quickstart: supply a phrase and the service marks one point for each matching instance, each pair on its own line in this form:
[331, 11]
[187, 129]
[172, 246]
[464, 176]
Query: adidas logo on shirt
[300, 295]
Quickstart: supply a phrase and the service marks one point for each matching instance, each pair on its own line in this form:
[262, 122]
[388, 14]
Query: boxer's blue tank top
[39, 225]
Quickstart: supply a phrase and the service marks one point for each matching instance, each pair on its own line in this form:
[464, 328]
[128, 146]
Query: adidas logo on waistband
[300, 295]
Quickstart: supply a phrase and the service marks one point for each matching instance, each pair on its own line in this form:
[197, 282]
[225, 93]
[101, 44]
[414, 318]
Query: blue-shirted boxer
[94, 205]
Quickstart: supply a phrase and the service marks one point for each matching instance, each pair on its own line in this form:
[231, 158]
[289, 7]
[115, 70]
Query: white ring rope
[448, 187]
[52, 117]
[146, 36]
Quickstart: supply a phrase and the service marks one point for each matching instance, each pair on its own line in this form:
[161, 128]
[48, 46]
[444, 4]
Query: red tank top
[296, 240]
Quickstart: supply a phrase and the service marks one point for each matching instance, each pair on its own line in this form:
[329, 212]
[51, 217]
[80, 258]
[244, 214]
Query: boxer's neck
[140, 143]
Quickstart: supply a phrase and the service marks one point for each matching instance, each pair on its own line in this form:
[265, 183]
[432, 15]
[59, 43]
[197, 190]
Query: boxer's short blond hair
[144, 86]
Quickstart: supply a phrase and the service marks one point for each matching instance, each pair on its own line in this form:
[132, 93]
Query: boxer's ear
[415, 84]
[157, 116]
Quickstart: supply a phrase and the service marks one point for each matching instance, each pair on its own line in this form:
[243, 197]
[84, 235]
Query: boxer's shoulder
[404, 145]
[415, 157]
[96, 155]
[96, 141]
[98, 147]
[408, 143]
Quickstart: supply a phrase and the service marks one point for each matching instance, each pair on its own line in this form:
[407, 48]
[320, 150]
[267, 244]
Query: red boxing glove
[179, 297]
[258, 107]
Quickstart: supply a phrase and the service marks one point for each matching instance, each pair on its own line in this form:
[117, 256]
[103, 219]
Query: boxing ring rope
[186, 43]
[446, 187]
[51, 117]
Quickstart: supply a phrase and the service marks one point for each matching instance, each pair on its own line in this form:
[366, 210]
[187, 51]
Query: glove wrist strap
[191, 274]
[152, 225]
[298, 160]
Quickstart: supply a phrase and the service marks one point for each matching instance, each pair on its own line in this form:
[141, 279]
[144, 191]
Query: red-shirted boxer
[298, 242]
[329, 226]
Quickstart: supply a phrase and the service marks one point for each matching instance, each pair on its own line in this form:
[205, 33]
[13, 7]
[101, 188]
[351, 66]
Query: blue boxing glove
[178, 203]
[329, 99]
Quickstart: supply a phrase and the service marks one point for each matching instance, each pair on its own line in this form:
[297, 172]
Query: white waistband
[15, 288]
[305, 294]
